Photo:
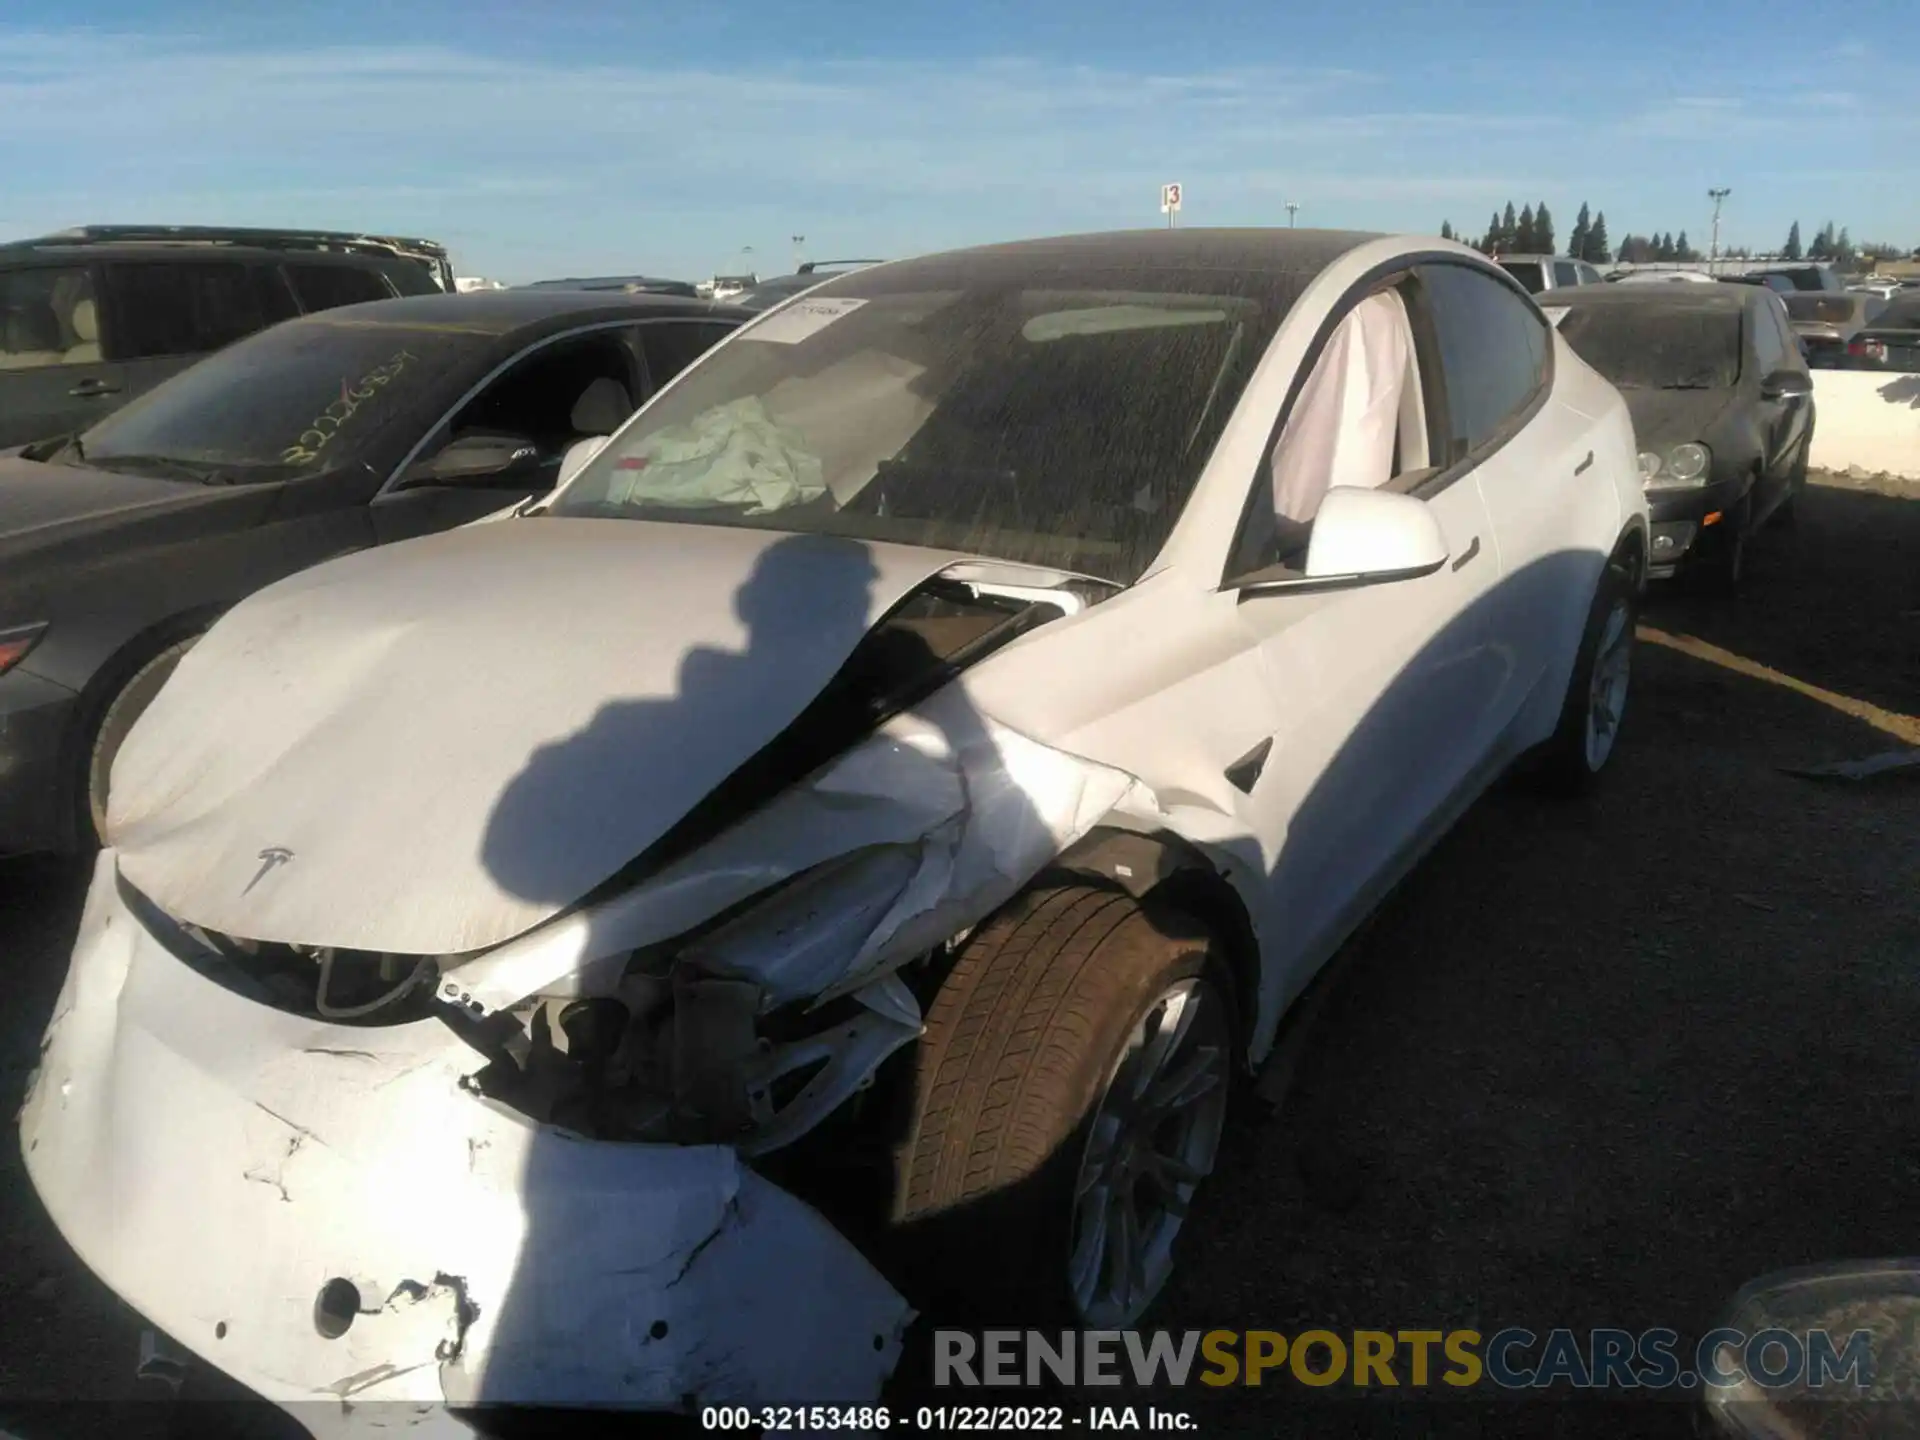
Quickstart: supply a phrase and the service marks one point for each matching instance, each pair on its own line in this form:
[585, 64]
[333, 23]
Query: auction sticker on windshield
[798, 319]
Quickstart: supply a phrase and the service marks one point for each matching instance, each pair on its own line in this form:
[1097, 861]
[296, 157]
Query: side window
[182, 308]
[1590, 276]
[1791, 351]
[47, 318]
[672, 345]
[1769, 350]
[1360, 419]
[1493, 350]
[322, 287]
[276, 297]
[565, 391]
[1564, 273]
[409, 277]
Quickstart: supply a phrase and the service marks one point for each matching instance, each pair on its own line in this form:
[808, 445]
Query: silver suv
[1548, 272]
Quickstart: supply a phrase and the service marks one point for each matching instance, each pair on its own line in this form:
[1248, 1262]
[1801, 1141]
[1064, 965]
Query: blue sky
[568, 137]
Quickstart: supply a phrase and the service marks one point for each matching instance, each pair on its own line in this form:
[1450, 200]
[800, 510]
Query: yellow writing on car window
[306, 450]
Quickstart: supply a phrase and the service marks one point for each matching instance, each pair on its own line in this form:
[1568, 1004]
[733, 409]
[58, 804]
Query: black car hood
[1673, 417]
[48, 508]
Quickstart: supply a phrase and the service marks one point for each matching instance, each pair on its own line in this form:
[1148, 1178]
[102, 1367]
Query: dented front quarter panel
[981, 807]
[217, 1162]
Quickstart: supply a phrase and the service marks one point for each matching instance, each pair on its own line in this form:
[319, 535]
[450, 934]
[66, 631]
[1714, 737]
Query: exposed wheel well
[1631, 550]
[1164, 871]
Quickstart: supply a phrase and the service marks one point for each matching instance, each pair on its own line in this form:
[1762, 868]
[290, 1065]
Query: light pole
[1713, 246]
[799, 241]
[1292, 206]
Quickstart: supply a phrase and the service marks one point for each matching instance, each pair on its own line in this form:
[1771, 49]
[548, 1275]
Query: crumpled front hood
[433, 747]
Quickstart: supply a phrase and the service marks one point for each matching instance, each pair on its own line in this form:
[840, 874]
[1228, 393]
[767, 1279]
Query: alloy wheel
[1153, 1140]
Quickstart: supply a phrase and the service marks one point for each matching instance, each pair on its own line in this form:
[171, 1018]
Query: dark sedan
[1826, 324]
[1892, 340]
[324, 435]
[1722, 403]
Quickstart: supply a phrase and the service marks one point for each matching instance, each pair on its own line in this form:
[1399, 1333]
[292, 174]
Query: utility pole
[1292, 207]
[1713, 246]
[799, 241]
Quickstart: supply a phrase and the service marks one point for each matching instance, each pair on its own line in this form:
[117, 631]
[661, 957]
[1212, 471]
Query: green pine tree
[1509, 229]
[1596, 251]
[1490, 242]
[1543, 229]
[1682, 250]
[1582, 227]
[1793, 250]
[1446, 230]
[1526, 242]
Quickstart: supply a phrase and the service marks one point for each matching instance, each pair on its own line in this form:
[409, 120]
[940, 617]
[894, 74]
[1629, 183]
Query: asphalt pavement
[1596, 1064]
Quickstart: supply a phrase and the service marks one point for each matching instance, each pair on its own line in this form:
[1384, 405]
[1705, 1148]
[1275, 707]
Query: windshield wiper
[168, 466]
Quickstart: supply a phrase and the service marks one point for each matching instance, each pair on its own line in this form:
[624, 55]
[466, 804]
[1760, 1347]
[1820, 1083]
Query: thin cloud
[540, 167]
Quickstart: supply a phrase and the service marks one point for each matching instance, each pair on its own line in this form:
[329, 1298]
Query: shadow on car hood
[431, 748]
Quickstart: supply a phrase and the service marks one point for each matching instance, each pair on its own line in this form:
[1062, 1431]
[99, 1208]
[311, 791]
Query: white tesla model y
[905, 775]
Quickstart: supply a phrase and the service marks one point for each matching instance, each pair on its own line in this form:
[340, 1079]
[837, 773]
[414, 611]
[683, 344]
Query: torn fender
[977, 808]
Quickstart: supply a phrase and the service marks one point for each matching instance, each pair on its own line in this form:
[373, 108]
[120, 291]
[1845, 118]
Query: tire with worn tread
[1019, 1046]
[111, 733]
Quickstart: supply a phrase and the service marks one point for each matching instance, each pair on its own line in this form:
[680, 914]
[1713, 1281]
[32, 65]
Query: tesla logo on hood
[271, 859]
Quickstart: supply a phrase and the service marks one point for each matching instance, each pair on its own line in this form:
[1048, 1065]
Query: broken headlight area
[693, 1062]
[343, 987]
[754, 1031]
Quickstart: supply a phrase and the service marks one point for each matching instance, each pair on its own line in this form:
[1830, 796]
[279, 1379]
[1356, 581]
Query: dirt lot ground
[1593, 1066]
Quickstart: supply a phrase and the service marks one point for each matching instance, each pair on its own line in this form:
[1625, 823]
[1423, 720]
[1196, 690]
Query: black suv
[91, 318]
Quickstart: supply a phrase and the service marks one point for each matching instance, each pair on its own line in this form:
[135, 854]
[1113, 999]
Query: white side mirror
[1373, 535]
[577, 456]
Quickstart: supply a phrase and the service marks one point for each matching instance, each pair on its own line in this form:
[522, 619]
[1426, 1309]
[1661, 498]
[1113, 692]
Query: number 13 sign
[1169, 199]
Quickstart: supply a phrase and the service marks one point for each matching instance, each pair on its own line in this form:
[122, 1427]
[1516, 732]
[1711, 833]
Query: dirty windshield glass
[293, 400]
[1658, 346]
[1061, 427]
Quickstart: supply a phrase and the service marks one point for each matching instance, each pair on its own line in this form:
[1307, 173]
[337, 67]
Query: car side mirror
[478, 460]
[577, 456]
[1360, 537]
[1786, 385]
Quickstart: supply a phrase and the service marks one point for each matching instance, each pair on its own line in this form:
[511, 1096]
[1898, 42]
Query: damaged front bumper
[329, 1214]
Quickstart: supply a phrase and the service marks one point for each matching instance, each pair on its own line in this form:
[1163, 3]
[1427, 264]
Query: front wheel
[1596, 701]
[1070, 1097]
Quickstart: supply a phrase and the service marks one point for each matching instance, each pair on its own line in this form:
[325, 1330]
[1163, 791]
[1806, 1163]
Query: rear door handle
[87, 389]
[1467, 555]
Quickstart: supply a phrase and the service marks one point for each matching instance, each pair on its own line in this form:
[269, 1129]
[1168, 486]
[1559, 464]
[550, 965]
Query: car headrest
[86, 322]
[603, 407]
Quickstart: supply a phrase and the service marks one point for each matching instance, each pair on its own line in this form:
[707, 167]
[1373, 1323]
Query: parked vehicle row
[93, 317]
[907, 772]
[1891, 340]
